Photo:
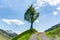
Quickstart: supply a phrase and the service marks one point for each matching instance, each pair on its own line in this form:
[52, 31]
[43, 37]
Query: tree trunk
[31, 20]
[31, 25]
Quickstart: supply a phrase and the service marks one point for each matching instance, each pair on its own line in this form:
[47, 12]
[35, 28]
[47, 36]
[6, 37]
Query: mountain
[25, 35]
[54, 31]
[3, 36]
[31, 35]
[53, 27]
[9, 33]
[6, 35]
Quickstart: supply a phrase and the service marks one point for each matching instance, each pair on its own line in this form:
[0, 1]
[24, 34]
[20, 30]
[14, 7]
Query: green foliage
[25, 35]
[54, 32]
[31, 14]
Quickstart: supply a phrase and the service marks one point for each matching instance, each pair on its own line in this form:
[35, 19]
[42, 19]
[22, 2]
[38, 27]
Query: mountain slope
[25, 35]
[54, 32]
[6, 35]
[3, 36]
[10, 33]
[53, 27]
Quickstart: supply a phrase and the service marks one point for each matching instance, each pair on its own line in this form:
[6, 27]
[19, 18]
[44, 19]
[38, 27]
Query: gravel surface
[42, 36]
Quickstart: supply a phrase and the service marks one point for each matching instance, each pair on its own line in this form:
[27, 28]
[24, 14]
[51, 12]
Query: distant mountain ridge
[53, 27]
[8, 33]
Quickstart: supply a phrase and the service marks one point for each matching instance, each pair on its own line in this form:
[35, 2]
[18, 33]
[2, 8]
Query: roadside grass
[25, 35]
[54, 34]
[38, 36]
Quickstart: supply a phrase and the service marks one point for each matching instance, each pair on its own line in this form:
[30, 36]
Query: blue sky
[12, 14]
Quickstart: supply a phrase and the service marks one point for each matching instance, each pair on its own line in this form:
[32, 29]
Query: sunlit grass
[54, 34]
[25, 35]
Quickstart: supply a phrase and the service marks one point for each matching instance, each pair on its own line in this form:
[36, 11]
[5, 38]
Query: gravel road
[42, 36]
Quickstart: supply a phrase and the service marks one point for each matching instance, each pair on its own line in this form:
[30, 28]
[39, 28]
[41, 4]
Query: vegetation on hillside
[54, 32]
[25, 35]
[53, 27]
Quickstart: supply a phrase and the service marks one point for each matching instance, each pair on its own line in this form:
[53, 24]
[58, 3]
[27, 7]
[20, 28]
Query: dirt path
[33, 37]
[42, 36]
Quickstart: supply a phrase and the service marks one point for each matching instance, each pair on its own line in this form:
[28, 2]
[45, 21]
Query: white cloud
[38, 4]
[55, 13]
[41, 3]
[37, 21]
[58, 8]
[18, 32]
[53, 2]
[15, 21]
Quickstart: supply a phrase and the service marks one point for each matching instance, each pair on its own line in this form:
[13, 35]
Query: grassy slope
[53, 33]
[4, 36]
[25, 35]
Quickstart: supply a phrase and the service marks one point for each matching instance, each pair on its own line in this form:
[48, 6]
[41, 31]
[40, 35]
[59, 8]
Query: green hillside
[25, 35]
[54, 31]
[53, 27]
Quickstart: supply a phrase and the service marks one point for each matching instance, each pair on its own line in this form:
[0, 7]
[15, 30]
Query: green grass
[55, 33]
[25, 35]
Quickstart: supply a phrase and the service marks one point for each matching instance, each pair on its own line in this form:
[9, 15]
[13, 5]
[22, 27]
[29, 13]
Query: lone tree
[31, 15]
